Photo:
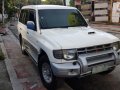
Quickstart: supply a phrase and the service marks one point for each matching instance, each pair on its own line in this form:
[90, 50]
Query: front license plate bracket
[99, 68]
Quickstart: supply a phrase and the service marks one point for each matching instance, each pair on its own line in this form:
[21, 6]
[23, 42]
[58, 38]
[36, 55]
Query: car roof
[47, 7]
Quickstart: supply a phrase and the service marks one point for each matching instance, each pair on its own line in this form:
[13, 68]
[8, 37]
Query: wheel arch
[50, 85]
[42, 53]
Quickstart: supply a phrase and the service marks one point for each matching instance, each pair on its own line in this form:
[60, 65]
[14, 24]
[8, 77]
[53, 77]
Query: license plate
[99, 68]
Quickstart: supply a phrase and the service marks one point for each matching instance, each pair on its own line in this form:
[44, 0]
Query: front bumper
[66, 69]
[87, 64]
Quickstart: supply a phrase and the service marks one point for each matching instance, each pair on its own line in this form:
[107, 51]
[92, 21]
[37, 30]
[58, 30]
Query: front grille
[100, 58]
[94, 49]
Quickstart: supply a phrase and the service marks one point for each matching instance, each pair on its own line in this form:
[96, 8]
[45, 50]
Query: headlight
[70, 54]
[116, 46]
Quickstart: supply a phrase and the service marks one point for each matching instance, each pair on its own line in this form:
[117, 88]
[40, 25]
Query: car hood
[78, 37]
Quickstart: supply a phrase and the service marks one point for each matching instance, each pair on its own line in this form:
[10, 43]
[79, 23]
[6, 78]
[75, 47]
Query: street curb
[16, 85]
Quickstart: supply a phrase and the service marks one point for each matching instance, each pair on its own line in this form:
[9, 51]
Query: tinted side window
[32, 16]
[23, 16]
[26, 16]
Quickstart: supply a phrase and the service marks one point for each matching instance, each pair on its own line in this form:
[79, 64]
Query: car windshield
[60, 18]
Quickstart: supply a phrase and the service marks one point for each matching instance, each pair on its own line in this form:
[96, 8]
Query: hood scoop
[91, 32]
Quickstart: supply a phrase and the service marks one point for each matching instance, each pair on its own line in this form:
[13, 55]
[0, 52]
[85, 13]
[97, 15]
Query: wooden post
[111, 5]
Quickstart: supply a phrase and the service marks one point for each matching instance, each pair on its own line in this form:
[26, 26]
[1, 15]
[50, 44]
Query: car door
[32, 36]
[22, 24]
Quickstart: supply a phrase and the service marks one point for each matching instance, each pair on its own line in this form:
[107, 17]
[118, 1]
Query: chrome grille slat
[94, 49]
[100, 58]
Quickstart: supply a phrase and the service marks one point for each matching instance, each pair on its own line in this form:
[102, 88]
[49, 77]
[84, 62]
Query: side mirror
[31, 25]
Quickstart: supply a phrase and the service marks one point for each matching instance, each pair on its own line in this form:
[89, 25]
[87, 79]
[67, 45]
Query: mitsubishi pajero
[62, 44]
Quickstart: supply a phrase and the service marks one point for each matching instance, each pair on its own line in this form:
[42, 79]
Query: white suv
[63, 45]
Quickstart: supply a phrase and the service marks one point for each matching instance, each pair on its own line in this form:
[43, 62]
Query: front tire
[46, 74]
